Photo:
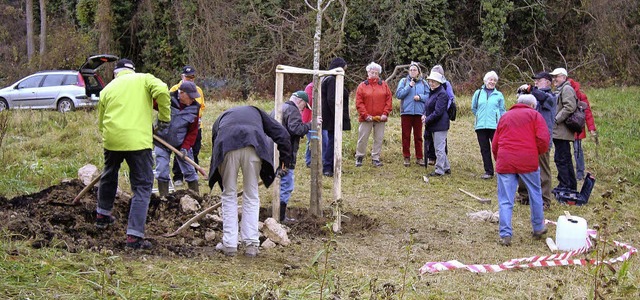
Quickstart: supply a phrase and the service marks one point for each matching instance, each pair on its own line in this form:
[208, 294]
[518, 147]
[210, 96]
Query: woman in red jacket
[373, 102]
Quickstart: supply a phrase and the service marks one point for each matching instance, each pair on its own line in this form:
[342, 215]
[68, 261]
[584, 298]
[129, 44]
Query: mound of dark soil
[47, 219]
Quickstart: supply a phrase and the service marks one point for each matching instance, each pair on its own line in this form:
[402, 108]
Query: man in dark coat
[292, 121]
[546, 106]
[242, 139]
[328, 114]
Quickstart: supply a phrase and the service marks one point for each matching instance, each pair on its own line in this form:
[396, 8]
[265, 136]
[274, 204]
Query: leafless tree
[43, 27]
[30, 45]
[316, 163]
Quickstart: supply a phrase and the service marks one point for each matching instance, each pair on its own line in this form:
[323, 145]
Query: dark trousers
[141, 175]
[177, 173]
[485, 136]
[328, 152]
[564, 164]
[411, 123]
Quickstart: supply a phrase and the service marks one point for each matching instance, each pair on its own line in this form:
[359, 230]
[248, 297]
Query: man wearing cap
[125, 120]
[566, 104]
[189, 74]
[292, 121]
[181, 134]
[520, 137]
[546, 106]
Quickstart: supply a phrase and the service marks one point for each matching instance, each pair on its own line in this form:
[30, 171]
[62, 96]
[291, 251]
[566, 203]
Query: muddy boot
[283, 211]
[163, 188]
[194, 186]
[283, 214]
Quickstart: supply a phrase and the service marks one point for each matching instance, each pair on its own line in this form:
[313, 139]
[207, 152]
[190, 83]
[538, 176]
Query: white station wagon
[63, 90]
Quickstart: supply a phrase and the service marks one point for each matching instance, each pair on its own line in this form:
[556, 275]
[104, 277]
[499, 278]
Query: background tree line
[239, 42]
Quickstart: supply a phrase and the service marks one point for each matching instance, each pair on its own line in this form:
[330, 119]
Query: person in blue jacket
[429, 148]
[487, 105]
[436, 120]
[412, 92]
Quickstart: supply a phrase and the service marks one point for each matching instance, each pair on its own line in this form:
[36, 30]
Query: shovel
[481, 200]
[179, 154]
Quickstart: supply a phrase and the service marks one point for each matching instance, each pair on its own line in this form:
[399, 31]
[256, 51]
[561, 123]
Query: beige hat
[559, 71]
[435, 76]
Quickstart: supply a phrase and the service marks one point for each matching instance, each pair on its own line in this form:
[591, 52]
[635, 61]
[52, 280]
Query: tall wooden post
[337, 152]
[275, 202]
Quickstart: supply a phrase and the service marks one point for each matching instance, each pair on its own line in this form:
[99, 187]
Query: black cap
[190, 88]
[125, 63]
[188, 71]
[541, 75]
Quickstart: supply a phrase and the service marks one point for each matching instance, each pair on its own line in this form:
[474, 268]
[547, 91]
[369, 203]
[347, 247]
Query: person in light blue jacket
[487, 104]
[412, 92]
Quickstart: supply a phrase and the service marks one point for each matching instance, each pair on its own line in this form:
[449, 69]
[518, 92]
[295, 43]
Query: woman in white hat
[437, 122]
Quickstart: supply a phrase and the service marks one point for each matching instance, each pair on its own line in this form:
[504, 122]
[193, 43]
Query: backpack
[576, 121]
[452, 111]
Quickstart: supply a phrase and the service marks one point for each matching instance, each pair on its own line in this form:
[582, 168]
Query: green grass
[44, 147]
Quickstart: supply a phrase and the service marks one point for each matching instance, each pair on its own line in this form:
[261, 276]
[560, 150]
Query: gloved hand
[376, 119]
[524, 89]
[282, 171]
[160, 126]
[383, 118]
[319, 120]
[184, 153]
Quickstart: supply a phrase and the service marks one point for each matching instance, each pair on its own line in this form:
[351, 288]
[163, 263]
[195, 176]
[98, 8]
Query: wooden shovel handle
[471, 195]
[195, 218]
[86, 189]
[179, 154]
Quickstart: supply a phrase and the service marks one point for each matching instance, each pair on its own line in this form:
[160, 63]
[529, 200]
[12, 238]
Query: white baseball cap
[559, 71]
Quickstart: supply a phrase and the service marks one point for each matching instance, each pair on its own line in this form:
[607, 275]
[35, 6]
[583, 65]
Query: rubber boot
[283, 211]
[163, 188]
[194, 186]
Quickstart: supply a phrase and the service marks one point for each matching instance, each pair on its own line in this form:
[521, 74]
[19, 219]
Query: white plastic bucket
[571, 233]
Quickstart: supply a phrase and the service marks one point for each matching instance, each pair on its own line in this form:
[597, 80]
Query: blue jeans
[578, 154]
[163, 157]
[327, 150]
[141, 176]
[307, 154]
[507, 185]
[286, 186]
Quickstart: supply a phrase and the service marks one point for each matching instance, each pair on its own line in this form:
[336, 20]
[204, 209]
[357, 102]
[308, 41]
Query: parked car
[63, 90]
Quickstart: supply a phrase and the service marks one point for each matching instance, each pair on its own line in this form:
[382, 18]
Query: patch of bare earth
[47, 219]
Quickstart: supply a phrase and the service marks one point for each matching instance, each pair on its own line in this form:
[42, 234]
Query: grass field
[416, 222]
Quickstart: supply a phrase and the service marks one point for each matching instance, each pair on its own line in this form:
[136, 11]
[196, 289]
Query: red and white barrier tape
[558, 259]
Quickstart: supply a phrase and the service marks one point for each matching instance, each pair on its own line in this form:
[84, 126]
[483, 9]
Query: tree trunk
[43, 27]
[30, 46]
[104, 24]
[316, 162]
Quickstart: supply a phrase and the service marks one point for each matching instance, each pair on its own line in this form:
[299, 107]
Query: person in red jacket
[521, 136]
[578, 154]
[373, 102]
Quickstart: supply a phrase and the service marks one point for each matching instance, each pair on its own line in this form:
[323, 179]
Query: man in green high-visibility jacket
[125, 120]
